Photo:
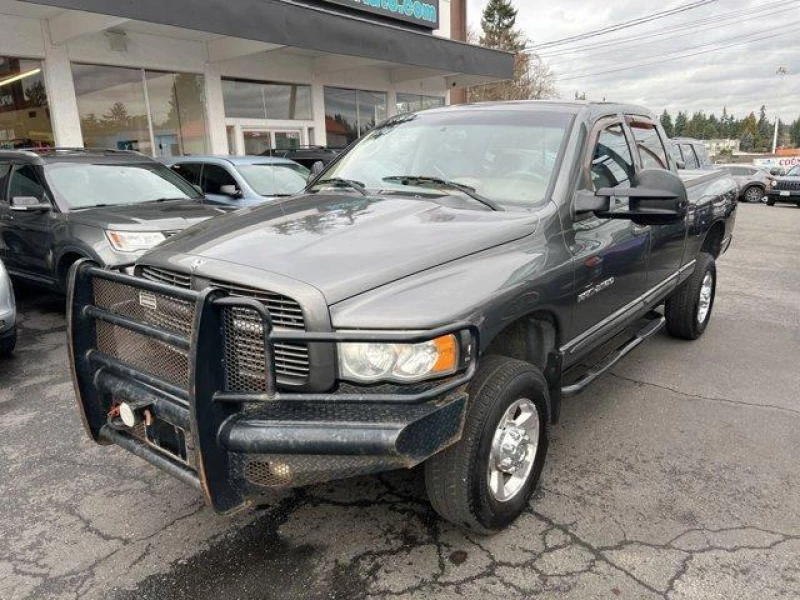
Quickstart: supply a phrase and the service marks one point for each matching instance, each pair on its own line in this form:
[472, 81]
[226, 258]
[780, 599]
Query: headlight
[134, 241]
[404, 363]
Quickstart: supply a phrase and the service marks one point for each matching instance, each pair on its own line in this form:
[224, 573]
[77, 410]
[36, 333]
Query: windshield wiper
[159, 200]
[345, 183]
[437, 182]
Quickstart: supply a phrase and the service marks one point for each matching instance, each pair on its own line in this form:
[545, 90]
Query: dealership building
[169, 77]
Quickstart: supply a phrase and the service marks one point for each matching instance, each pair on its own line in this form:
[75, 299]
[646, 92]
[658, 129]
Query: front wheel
[753, 194]
[485, 481]
[688, 308]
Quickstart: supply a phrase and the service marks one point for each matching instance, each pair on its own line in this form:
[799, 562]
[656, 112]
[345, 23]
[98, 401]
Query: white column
[215, 108]
[391, 100]
[318, 108]
[61, 93]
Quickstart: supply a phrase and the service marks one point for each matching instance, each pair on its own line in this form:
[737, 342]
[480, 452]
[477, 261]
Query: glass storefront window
[113, 107]
[24, 112]
[178, 113]
[252, 100]
[407, 103]
[350, 114]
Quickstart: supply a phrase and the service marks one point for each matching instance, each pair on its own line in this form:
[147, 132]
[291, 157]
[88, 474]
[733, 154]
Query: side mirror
[29, 204]
[317, 168]
[230, 190]
[659, 198]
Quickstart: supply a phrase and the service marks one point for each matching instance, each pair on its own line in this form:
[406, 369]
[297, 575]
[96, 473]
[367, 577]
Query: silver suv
[8, 314]
[753, 182]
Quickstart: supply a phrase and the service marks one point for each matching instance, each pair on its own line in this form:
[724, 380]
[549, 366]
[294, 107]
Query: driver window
[612, 162]
[25, 182]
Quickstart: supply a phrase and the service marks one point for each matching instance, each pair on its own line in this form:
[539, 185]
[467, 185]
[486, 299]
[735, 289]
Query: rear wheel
[8, 344]
[485, 481]
[753, 194]
[688, 309]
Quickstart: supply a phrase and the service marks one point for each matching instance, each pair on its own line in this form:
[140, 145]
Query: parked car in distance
[786, 188]
[690, 153]
[60, 205]
[307, 156]
[429, 299]
[238, 181]
[8, 314]
[753, 182]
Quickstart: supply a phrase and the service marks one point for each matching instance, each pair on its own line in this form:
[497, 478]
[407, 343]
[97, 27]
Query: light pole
[781, 73]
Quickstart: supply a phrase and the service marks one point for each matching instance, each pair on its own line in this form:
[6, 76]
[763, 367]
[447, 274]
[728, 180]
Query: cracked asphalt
[676, 476]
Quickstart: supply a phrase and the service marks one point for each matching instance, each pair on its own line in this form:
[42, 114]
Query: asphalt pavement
[675, 476]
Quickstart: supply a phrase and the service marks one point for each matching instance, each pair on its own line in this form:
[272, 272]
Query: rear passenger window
[189, 171]
[25, 182]
[214, 178]
[648, 143]
[690, 157]
[612, 163]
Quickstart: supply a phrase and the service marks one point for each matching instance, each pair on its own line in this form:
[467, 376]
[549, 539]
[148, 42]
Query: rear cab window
[690, 158]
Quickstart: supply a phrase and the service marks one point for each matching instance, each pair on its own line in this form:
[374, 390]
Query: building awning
[310, 27]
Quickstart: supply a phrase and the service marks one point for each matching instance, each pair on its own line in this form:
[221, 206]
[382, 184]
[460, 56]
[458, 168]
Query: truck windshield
[507, 157]
[86, 185]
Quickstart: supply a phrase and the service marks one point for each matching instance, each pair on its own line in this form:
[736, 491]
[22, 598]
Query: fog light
[129, 415]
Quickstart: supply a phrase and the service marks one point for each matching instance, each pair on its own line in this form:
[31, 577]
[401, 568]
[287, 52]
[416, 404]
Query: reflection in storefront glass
[252, 100]
[178, 113]
[407, 103]
[350, 114]
[112, 102]
[112, 108]
[24, 113]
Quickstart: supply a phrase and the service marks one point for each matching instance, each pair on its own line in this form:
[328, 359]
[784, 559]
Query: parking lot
[676, 476]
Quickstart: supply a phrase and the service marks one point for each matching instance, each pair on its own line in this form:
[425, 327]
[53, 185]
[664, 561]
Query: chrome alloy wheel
[706, 292]
[513, 450]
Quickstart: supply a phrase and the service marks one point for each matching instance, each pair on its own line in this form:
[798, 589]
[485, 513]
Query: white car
[8, 314]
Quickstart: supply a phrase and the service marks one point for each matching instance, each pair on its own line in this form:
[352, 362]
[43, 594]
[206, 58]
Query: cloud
[760, 35]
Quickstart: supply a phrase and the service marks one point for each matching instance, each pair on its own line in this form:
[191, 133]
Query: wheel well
[64, 263]
[531, 338]
[713, 242]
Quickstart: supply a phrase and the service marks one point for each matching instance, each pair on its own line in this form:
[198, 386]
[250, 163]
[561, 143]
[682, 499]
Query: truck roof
[589, 108]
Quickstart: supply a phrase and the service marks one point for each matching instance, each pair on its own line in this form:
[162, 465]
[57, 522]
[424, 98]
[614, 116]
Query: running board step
[653, 327]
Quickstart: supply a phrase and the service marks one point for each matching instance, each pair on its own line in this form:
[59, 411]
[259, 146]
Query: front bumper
[784, 195]
[234, 446]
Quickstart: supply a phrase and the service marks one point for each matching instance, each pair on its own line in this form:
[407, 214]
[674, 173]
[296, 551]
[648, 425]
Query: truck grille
[786, 184]
[244, 345]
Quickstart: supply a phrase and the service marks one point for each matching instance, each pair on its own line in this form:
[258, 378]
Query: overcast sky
[761, 35]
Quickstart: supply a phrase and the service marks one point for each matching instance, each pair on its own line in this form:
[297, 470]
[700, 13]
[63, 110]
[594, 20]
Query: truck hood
[344, 245]
[174, 215]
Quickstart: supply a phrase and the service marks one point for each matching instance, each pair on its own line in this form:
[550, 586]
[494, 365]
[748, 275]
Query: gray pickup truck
[430, 298]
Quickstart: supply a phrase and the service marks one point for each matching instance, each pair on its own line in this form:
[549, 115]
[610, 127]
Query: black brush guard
[242, 445]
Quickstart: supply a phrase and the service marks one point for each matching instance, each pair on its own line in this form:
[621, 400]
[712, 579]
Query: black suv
[61, 205]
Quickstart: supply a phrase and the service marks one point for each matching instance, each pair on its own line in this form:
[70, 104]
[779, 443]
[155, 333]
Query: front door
[610, 255]
[27, 236]
[666, 241]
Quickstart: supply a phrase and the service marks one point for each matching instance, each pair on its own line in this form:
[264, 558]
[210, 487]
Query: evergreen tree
[746, 142]
[533, 78]
[666, 123]
[794, 132]
[680, 124]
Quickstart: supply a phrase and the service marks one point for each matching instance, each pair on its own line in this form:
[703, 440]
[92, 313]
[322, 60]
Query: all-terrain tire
[683, 310]
[8, 344]
[457, 479]
[753, 194]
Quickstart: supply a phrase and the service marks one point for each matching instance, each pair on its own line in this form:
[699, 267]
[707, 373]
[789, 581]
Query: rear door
[28, 235]
[666, 241]
[609, 254]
